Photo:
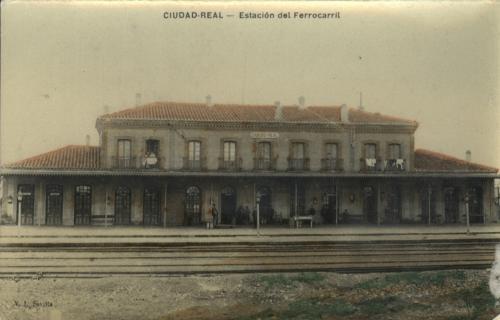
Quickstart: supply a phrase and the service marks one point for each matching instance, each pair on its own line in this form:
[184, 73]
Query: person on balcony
[150, 160]
[400, 164]
[370, 162]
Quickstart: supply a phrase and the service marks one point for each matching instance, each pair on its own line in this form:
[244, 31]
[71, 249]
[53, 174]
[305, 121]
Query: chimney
[87, 140]
[344, 113]
[278, 115]
[208, 100]
[138, 99]
[361, 108]
[468, 155]
[302, 102]
[106, 109]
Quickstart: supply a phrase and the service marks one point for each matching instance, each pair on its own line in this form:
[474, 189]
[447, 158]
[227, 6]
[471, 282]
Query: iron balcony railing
[230, 165]
[124, 162]
[332, 164]
[370, 165]
[194, 165]
[395, 164]
[298, 164]
[264, 164]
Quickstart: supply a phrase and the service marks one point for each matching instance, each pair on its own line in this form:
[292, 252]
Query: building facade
[164, 164]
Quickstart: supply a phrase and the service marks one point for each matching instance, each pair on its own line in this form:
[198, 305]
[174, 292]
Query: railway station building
[165, 163]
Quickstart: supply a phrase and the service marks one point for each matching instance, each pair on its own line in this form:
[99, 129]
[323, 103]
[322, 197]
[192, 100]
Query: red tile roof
[426, 160]
[248, 113]
[68, 157]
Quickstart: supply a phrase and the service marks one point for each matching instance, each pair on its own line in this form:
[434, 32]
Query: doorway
[54, 205]
[83, 205]
[476, 205]
[370, 204]
[27, 191]
[297, 205]
[192, 210]
[265, 205]
[451, 205]
[228, 205]
[329, 208]
[394, 205]
[428, 205]
[122, 205]
[151, 206]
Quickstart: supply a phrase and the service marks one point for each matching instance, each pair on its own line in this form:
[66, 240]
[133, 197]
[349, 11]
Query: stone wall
[173, 145]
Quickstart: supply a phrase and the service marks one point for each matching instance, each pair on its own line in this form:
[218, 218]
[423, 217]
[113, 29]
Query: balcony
[396, 165]
[194, 165]
[332, 164]
[370, 165]
[230, 165]
[152, 162]
[298, 164]
[264, 164]
[124, 162]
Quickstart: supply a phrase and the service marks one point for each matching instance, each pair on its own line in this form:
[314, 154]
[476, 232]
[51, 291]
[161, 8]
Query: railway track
[146, 258]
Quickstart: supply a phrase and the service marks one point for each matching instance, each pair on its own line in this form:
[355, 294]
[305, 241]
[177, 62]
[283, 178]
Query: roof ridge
[158, 110]
[381, 115]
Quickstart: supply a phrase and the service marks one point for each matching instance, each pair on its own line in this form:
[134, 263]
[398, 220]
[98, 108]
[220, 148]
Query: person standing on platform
[215, 215]
[209, 218]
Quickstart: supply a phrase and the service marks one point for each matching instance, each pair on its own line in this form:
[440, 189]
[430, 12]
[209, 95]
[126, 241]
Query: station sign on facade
[264, 135]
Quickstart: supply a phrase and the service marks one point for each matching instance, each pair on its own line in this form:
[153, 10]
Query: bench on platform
[298, 220]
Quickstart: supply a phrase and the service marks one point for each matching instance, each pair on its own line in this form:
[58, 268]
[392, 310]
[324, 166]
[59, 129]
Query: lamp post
[258, 213]
[429, 196]
[466, 200]
[106, 210]
[497, 198]
[19, 207]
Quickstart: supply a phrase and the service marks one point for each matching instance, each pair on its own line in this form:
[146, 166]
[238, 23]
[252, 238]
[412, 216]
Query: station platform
[99, 251]
[137, 234]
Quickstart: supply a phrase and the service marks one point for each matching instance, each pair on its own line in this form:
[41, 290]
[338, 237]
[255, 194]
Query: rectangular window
[264, 150]
[124, 149]
[229, 151]
[152, 147]
[370, 151]
[124, 154]
[394, 151]
[298, 150]
[331, 150]
[194, 150]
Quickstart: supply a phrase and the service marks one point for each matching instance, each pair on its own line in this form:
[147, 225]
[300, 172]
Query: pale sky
[434, 62]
